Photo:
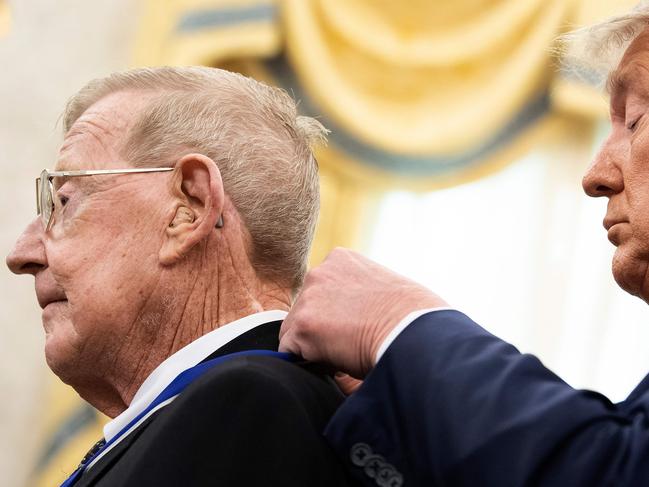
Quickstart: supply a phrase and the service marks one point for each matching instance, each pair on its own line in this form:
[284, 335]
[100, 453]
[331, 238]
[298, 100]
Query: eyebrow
[617, 82]
[88, 183]
[59, 181]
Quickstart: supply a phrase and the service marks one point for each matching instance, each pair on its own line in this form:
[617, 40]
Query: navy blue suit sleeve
[449, 404]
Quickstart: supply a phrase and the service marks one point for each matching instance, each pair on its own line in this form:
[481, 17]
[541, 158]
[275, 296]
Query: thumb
[286, 342]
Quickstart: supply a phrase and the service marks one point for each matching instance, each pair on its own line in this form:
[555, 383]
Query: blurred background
[455, 158]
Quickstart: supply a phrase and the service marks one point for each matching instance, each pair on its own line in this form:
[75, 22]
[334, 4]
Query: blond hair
[252, 131]
[592, 52]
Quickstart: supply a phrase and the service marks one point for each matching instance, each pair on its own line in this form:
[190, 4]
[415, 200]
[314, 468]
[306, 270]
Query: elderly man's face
[96, 268]
[621, 170]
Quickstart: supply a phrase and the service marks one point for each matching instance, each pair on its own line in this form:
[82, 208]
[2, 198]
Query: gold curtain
[5, 18]
[419, 95]
[70, 427]
[418, 79]
[427, 91]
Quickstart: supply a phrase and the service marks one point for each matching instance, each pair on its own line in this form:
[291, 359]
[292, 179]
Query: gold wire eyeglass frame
[45, 188]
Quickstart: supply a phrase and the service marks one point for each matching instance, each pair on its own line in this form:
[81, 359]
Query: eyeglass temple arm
[38, 199]
[219, 223]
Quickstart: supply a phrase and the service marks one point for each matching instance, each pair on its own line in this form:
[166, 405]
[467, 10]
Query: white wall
[524, 253]
[54, 47]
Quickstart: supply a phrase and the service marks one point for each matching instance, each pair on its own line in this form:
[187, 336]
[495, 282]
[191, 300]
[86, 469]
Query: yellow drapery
[421, 81]
[5, 18]
[423, 95]
[70, 428]
[420, 95]
[424, 89]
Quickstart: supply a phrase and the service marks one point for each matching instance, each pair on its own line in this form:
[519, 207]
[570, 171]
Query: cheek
[105, 278]
[106, 260]
[636, 190]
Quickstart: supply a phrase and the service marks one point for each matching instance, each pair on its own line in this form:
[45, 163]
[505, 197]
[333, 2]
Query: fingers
[286, 344]
[346, 308]
[294, 339]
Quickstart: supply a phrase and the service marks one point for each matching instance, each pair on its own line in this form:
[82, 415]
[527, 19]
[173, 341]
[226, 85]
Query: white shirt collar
[183, 359]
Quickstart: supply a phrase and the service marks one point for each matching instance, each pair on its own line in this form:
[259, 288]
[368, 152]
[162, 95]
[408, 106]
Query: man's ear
[198, 199]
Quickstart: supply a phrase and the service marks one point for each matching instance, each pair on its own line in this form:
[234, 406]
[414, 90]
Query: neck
[204, 295]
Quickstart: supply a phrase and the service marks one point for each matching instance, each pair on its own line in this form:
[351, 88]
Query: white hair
[252, 131]
[592, 52]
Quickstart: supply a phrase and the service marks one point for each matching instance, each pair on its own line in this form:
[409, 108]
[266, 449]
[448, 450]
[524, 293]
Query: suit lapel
[91, 476]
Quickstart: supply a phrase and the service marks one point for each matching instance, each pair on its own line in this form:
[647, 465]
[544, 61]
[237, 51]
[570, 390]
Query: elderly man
[170, 240]
[446, 403]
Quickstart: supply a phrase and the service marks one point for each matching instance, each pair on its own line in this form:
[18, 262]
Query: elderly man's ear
[198, 198]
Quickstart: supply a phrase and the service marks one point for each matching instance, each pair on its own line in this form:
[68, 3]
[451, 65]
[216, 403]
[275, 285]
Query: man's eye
[632, 126]
[63, 200]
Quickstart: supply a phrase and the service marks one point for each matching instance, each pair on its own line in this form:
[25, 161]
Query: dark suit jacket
[451, 405]
[250, 421]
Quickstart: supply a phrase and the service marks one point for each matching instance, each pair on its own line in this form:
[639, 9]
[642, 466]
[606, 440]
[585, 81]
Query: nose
[28, 254]
[604, 176]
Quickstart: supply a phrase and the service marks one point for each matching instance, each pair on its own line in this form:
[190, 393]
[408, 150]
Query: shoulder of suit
[258, 369]
[261, 391]
[267, 380]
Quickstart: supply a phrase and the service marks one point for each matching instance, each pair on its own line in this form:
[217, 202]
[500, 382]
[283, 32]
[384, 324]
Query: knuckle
[309, 352]
[288, 344]
[305, 328]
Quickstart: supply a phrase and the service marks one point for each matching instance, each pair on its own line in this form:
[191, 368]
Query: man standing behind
[446, 403]
[170, 241]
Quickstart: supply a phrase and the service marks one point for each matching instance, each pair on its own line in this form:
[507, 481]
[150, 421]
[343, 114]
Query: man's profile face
[621, 169]
[96, 268]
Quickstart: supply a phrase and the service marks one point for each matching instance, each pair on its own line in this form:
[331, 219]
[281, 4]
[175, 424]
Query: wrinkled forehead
[97, 137]
[633, 67]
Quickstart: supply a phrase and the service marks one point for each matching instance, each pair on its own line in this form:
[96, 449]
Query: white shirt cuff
[402, 326]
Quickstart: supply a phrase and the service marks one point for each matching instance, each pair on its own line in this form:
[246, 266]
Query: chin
[60, 358]
[630, 272]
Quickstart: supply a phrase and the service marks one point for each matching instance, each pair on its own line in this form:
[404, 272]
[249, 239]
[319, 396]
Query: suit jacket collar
[262, 337]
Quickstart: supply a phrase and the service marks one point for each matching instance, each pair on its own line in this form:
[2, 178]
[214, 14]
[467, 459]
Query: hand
[347, 307]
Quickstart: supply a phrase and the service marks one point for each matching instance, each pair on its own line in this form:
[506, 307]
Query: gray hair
[252, 131]
[592, 52]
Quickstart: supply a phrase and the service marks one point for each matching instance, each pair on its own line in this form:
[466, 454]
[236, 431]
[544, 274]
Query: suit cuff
[403, 324]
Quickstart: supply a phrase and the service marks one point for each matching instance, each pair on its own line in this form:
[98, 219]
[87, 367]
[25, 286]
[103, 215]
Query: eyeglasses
[45, 189]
